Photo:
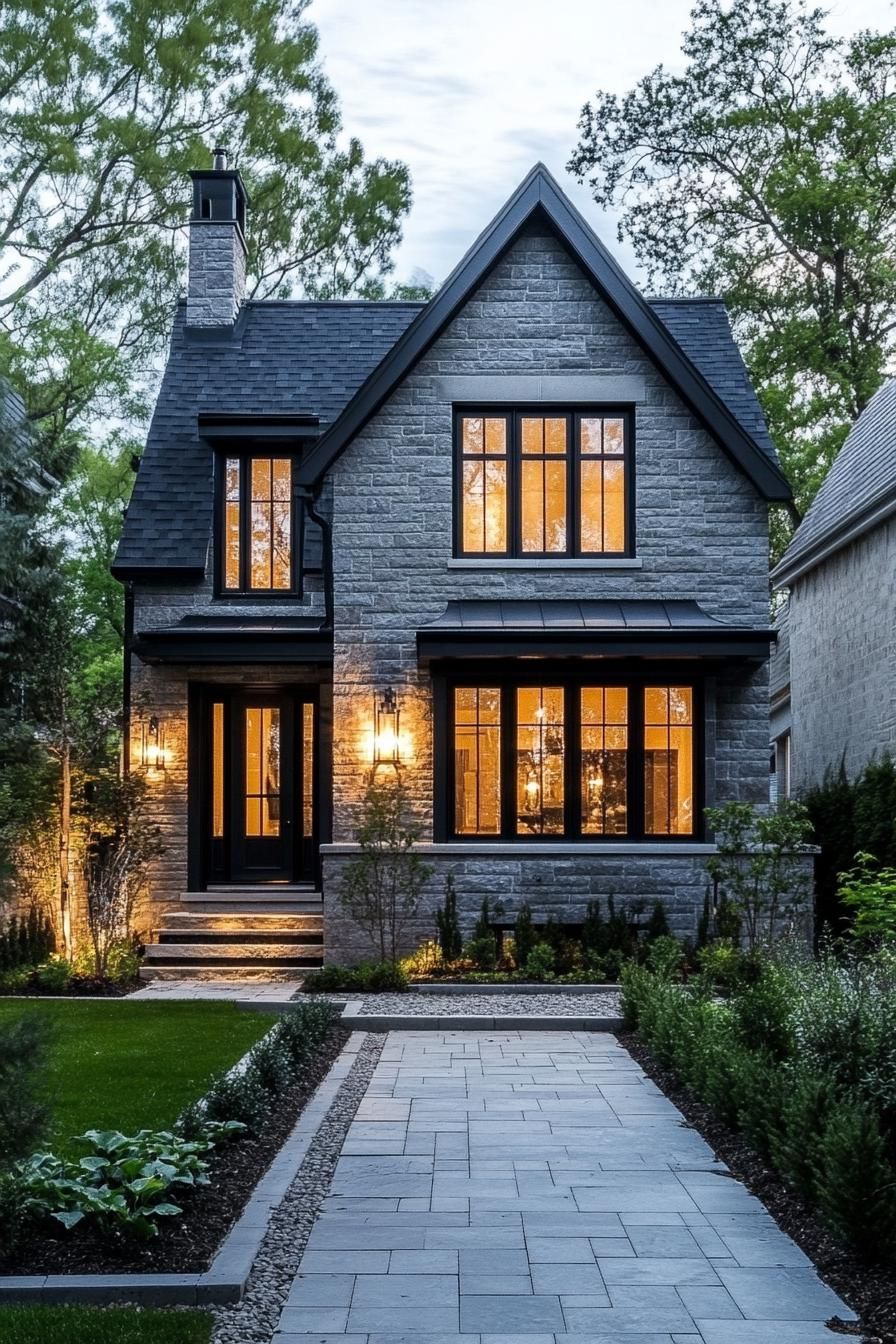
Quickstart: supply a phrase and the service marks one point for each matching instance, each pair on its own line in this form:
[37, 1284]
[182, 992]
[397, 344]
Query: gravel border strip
[257, 1315]
[226, 1278]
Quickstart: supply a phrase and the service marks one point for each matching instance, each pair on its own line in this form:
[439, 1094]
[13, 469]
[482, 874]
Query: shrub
[303, 1028]
[869, 891]
[330, 980]
[795, 1149]
[482, 948]
[658, 924]
[382, 976]
[856, 1184]
[26, 941]
[594, 936]
[272, 1064]
[24, 1046]
[762, 1013]
[524, 937]
[447, 924]
[540, 962]
[756, 865]
[238, 1096]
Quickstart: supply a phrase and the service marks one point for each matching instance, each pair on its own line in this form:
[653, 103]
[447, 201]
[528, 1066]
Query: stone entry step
[239, 934]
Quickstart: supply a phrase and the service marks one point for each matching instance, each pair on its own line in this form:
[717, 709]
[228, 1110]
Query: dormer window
[543, 483]
[258, 542]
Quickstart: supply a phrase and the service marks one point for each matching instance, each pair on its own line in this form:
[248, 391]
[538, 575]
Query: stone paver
[524, 1188]
[262, 991]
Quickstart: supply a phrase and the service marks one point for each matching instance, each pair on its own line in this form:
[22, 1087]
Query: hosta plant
[126, 1181]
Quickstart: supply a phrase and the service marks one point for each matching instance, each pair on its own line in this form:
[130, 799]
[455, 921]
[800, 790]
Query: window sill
[544, 563]
[510, 849]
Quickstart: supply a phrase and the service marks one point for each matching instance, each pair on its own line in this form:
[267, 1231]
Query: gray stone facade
[843, 658]
[701, 533]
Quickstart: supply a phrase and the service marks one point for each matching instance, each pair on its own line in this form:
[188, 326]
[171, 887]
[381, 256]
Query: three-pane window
[573, 761]
[258, 549]
[552, 484]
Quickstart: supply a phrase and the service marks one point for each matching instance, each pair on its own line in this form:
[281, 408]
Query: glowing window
[257, 540]
[669, 760]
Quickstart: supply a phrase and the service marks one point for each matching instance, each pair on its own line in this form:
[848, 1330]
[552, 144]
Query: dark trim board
[539, 197]
[742, 646]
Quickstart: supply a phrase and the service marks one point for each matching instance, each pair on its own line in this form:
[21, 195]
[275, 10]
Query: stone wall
[217, 282]
[843, 659]
[555, 880]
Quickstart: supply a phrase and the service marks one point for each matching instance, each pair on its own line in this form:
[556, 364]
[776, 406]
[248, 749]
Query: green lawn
[96, 1325]
[130, 1066]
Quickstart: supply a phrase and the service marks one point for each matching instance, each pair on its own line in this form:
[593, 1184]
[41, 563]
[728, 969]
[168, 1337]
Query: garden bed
[187, 1244]
[870, 1290]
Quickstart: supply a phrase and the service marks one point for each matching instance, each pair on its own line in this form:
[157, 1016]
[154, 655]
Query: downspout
[326, 528]
[126, 679]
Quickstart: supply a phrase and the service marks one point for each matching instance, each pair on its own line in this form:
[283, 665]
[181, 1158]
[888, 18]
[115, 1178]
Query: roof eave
[791, 568]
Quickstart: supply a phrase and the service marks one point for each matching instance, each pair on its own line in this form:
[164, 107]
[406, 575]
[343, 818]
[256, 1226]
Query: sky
[471, 93]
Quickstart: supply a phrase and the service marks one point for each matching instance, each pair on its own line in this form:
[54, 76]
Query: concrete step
[238, 922]
[247, 938]
[242, 973]
[279, 953]
[285, 900]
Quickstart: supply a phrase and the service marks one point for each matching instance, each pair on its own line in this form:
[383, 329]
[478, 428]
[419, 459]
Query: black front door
[260, 800]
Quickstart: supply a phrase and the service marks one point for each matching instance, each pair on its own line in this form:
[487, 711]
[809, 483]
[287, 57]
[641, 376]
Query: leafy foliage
[850, 816]
[381, 887]
[800, 1058]
[369, 977]
[27, 941]
[765, 172]
[108, 107]
[756, 867]
[870, 891]
[24, 1115]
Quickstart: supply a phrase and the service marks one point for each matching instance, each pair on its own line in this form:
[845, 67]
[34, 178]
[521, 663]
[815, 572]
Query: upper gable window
[258, 543]
[543, 484]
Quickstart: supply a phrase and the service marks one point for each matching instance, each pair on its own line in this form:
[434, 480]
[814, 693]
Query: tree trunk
[65, 831]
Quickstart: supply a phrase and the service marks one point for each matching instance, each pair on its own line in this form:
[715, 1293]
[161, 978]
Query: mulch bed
[869, 1289]
[187, 1244]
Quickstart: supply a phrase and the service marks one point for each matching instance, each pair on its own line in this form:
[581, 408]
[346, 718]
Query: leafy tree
[106, 108]
[766, 173]
[757, 866]
[381, 887]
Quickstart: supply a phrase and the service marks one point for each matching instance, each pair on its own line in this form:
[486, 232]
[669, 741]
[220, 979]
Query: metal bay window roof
[600, 628]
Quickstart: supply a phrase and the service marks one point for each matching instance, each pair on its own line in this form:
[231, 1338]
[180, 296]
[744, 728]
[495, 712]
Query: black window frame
[513, 415]
[245, 593]
[480, 675]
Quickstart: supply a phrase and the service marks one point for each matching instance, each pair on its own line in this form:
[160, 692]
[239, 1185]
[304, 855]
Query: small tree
[870, 891]
[24, 1043]
[381, 888]
[119, 854]
[757, 866]
[450, 940]
[524, 936]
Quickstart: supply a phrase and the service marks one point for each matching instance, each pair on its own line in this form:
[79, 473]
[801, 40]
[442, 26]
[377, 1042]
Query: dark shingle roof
[296, 358]
[857, 493]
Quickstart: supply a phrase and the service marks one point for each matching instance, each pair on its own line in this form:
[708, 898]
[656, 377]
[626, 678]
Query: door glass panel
[307, 771]
[540, 760]
[604, 756]
[669, 760]
[263, 771]
[217, 770]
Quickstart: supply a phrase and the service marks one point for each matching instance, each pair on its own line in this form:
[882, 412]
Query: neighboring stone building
[840, 570]
[512, 543]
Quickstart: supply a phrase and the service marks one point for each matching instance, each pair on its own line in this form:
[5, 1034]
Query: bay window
[543, 483]
[572, 759]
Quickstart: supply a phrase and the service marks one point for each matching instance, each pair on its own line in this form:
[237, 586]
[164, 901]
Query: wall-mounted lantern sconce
[153, 755]
[387, 715]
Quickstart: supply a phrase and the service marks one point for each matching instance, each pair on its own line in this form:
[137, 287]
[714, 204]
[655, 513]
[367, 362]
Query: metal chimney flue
[219, 163]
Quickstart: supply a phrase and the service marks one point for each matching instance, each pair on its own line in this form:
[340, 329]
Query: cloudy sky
[470, 93]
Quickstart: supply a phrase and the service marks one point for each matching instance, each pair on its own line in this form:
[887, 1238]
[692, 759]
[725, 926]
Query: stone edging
[226, 1278]
[531, 987]
[356, 1020]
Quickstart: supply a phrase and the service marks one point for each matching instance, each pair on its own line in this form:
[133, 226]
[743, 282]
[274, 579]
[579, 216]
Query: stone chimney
[217, 280]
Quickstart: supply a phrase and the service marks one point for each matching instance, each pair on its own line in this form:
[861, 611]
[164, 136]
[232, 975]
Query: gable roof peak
[540, 193]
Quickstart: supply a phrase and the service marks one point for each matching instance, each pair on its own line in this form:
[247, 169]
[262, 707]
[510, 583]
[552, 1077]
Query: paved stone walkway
[524, 1188]
[266, 991]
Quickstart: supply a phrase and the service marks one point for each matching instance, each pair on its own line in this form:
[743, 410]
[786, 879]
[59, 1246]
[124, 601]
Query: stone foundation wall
[560, 883]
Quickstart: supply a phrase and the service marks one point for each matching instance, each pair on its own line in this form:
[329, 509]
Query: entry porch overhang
[234, 639]
[567, 628]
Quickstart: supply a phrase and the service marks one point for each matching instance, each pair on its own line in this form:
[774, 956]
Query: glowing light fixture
[386, 747]
[153, 755]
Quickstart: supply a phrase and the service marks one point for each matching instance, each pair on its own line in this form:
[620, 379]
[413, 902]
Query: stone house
[511, 542]
[836, 696]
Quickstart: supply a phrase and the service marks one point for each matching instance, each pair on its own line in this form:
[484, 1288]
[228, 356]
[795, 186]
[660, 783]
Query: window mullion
[636, 799]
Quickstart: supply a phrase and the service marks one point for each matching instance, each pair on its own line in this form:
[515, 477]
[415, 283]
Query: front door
[260, 808]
